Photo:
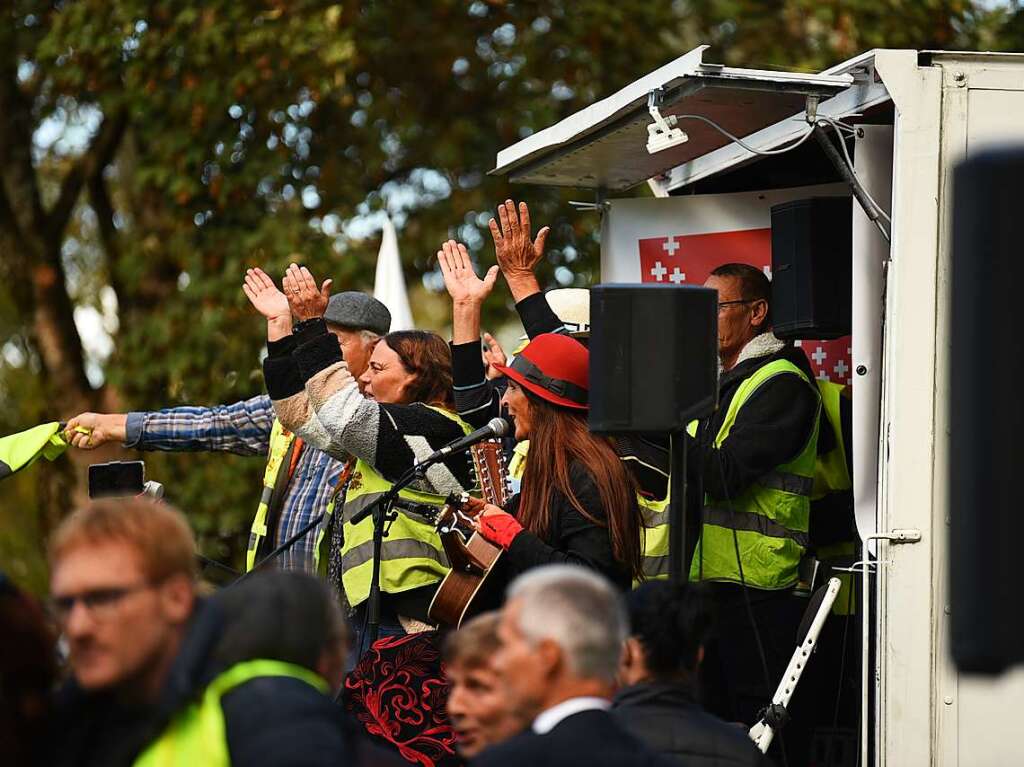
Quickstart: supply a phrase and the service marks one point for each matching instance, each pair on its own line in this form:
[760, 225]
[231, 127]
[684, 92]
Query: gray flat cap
[358, 311]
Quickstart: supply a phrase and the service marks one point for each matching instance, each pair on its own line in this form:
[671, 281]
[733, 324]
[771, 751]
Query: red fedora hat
[555, 368]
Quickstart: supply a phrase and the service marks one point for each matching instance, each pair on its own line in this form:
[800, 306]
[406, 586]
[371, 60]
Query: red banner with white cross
[679, 240]
[689, 259]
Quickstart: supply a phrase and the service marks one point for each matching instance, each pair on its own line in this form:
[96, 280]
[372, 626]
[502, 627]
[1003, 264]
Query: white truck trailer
[916, 114]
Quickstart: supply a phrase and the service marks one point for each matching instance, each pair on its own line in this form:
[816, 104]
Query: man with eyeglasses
[755, 459]
[149, 683]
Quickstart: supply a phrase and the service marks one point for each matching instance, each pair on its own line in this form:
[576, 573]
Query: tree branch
[16, 171]
[99, 154]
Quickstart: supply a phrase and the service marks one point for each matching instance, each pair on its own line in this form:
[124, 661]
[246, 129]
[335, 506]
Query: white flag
[389, 283]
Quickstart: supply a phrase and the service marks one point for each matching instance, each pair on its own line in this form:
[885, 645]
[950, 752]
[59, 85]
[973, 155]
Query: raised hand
[459, 276]
[264, 295]
[516, 252]
[493, 355]
[305, 299]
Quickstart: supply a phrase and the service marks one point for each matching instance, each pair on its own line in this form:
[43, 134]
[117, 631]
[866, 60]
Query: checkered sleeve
[243, 428]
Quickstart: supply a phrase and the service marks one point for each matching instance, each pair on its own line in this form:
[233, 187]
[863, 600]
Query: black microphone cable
[746, 600]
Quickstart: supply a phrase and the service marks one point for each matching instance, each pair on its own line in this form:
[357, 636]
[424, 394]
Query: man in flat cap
[298, 481]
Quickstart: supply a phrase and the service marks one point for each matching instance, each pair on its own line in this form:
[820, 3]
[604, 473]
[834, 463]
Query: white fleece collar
[763, 345]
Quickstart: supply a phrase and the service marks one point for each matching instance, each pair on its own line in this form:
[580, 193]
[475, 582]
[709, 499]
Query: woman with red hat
[577, 502]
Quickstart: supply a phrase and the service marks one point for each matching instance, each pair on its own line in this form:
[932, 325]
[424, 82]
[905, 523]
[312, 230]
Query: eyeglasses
[737, 301]
[101, 603]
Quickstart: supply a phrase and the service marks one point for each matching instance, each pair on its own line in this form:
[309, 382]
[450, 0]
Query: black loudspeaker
[653, 357]
[812, 268]
[986, 413]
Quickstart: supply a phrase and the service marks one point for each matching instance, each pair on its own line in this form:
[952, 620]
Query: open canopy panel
[605, 145]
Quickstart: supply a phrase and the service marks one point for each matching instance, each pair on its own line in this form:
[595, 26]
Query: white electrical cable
[837, 126]
[743, 144]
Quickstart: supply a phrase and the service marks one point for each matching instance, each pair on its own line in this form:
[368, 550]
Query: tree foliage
[151, 151]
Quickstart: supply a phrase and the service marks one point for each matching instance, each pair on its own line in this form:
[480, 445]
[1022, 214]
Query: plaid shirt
[244, 428]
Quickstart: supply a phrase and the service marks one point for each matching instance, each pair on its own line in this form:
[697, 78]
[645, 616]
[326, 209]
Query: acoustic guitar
[471, 556]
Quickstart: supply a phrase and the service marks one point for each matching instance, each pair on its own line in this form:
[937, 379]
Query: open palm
[459, 276]
[264, 295]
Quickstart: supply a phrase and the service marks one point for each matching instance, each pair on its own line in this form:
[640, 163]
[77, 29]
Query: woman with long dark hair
[577, 502]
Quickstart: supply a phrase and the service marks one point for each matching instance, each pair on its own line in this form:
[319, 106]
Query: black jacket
[771, 428]
[271, 722]
[571, 538]
[589, 738]
[668, 721]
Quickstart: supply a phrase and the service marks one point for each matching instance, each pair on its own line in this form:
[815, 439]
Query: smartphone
[117, 478]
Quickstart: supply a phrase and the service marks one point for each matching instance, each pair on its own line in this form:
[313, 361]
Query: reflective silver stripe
[652, 567]
[749, 521]
[358, 504]
[787, 483]
[657, 519]
[407, 548]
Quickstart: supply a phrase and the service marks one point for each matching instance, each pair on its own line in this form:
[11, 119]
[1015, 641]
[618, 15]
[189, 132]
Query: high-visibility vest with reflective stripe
[412, 554]
[654, 558]
[830, 472]
[831, 475]
[197, 735]
[280, 441]
[770, 518]
[654, 546]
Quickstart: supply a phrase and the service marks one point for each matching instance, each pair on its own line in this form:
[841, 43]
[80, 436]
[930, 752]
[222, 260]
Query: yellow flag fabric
[24, 448]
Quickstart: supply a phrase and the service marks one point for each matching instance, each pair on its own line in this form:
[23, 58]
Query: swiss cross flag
[688, 259]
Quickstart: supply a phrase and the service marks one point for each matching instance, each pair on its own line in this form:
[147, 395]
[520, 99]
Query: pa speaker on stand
[653, 369]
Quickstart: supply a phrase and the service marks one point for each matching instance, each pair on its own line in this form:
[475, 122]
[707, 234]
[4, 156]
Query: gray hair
[578, 610]
[366, 336]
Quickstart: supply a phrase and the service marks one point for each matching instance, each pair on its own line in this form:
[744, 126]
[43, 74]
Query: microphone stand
[678, 552]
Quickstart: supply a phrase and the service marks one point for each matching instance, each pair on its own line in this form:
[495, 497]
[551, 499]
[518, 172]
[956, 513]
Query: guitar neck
[490, 469]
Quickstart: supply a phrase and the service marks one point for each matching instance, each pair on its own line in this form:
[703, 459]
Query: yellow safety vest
[517, 464]
[655, 543]
[196, 735]
[412, 553]
[770, 519]
[21, 450]
[831, 475]
[830, 472]
[276, 471]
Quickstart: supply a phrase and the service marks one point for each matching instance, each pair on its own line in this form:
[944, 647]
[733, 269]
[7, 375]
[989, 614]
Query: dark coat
[571, 538]
[666, 718]
[771, 428]
[589, 738]
[269, 722]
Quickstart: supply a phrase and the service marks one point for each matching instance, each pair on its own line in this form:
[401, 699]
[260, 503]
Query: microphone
[496, 427]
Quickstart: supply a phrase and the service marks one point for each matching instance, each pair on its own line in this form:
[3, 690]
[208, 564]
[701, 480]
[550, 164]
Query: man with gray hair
[562, 632]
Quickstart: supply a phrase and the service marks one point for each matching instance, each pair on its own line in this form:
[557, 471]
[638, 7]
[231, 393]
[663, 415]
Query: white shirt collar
[547, 720]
